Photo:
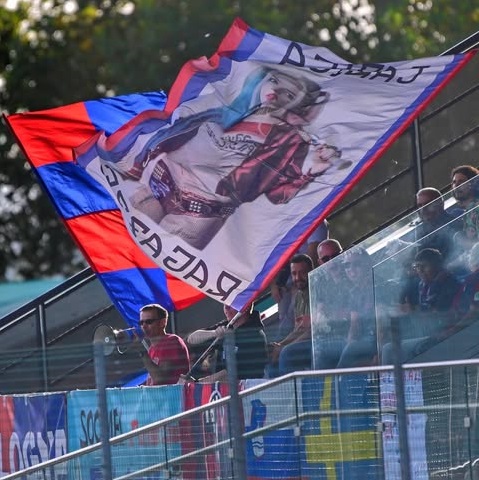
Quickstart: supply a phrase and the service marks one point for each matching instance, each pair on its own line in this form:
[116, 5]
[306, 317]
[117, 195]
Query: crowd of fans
[427, 281]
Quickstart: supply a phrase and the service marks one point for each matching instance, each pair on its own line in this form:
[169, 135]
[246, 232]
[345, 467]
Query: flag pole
[229, 326]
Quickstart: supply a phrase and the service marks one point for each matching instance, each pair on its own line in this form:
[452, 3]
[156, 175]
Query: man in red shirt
[168, 355]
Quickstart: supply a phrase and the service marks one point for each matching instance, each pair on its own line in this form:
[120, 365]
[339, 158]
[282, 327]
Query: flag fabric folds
[89, 212]
[254, 148]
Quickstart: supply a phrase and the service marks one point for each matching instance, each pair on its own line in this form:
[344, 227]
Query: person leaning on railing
[167, 356]
[250, 345]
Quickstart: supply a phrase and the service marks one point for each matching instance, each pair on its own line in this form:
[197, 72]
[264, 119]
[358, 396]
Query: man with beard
[466, 196]
[294, 351]
[467, 211]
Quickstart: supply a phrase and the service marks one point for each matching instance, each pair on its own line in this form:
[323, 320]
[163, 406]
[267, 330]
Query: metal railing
[339, 424]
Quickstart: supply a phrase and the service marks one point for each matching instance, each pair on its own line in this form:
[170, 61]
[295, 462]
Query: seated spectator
[294, 351]
[465, 192]
[437, 227]
[466, 196]
[282, 288]
[395, 278]
[250, 345]
[432, 315]
[361, 341]
[466, 305]
[330, 297]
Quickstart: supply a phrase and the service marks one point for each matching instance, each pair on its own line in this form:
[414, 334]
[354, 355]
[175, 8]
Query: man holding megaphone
[167, 357]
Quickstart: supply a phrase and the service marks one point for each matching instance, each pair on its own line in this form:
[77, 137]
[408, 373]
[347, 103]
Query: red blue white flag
[254, 148]
[90, 214]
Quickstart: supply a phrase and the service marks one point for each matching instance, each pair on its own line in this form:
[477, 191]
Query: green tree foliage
[412, 29]
[61, 51]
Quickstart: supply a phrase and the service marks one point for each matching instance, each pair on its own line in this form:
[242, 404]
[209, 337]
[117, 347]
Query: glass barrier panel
[431, 215]
[385, 270]
[424, 291]
[343, 318]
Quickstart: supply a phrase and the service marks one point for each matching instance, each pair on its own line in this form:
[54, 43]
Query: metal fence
[344, 424]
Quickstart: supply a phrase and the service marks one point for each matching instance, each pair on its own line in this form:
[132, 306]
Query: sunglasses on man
[149, 321]
[327, 258]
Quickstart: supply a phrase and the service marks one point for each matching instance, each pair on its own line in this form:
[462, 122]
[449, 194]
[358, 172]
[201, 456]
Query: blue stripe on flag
[109, 114]
[133, 288]
[74, 191]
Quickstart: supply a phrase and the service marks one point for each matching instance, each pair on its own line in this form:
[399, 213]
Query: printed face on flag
[257, 146]
[190, 176]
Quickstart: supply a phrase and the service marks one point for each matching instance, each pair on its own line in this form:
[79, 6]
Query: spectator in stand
[432, 316]
[331, 326]
[311, 245]
[361, 341]
[396, 280]
[250, 345]
[466, 305]
[168, 355]
[327, 250]
[466, 195]
[282, 287]
[437, 227]
[294, 351]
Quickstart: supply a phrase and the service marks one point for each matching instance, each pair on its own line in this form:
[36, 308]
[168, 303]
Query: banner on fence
[416, 426]
[340, 442]
[129, 409]
[273, 453]
[203, 430]
[32, 431]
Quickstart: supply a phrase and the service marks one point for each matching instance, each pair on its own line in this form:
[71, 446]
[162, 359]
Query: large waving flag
[254, 148]
[87, 209]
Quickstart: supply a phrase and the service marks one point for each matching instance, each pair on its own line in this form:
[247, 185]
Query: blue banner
[276, 453]
[128, 409]
[34, 432]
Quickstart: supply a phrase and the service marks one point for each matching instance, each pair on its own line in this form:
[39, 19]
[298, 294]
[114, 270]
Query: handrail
[292, 377]
[463, 46]
[59, 291]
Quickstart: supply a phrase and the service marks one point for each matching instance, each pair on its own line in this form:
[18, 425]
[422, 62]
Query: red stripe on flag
[234, 37]
[229, 44]
[52, 134]
[105, 241]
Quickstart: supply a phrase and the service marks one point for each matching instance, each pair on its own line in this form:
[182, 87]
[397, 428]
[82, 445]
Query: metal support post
[417, 165]
[236, 417]
[400, 399]
[100, 378]
[42, 334]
